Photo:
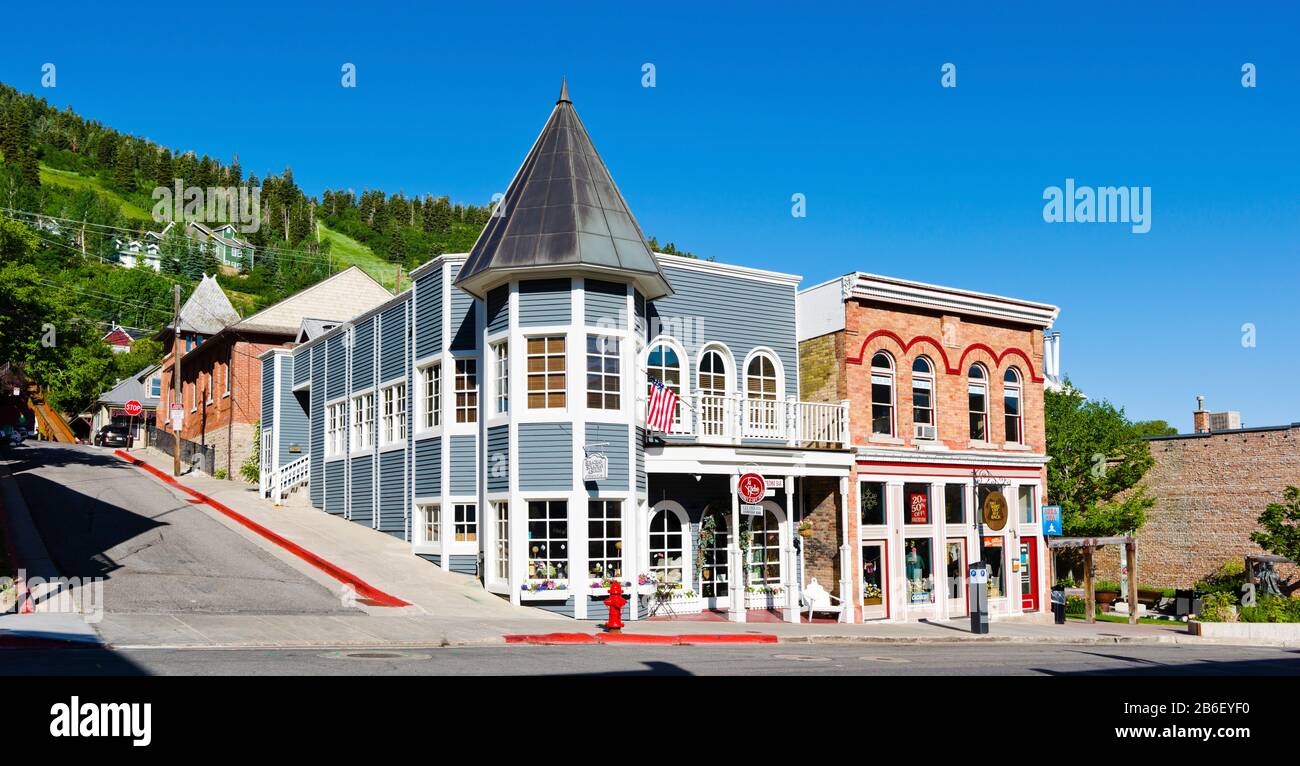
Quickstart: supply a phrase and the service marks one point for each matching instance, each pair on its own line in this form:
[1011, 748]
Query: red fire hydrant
[615, 602]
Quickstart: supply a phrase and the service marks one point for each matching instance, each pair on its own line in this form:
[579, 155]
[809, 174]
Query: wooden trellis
[1089, 544]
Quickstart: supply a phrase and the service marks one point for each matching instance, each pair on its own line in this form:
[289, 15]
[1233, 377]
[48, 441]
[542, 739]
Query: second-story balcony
[736, 419]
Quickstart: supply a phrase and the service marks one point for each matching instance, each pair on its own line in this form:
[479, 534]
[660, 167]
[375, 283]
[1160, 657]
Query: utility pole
[176, 376]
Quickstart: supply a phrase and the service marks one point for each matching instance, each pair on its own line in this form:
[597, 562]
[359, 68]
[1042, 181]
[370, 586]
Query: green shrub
[1106, 585]
[1217, 607]
[1270, 608]
[220, 474]
[1226, 579]
[1078, 606]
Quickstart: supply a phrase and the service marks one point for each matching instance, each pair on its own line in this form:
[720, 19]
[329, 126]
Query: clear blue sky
[839, 102]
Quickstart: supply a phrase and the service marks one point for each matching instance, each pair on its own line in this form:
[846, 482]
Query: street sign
[751, 510]
[751, 488]
[133, 408]
[1051, 516]
[979, 575]
[177, 415]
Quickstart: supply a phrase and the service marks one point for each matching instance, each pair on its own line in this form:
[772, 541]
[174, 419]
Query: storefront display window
[548, 539]
[918, 566]
[873, 502]
[991, 552]
[873, 591]
[916, 500]
[1027, 514]
[954, 501]
[765, 550]
[666, 559]
[956, 569]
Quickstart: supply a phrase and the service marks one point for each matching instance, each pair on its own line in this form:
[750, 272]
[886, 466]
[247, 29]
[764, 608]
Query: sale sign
[919, 504]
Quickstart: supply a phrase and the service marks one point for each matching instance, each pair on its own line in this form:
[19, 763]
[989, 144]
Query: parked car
[113, 435]
[11, 436]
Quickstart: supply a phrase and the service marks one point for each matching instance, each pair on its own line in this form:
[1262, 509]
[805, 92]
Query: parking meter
[979, 598]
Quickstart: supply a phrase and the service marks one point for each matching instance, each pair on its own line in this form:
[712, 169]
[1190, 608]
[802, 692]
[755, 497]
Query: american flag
[661, 407]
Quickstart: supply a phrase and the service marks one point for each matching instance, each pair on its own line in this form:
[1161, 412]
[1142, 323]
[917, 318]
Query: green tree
[1145, 428]
[1098, 461]
[124, 169]
[1281, 531]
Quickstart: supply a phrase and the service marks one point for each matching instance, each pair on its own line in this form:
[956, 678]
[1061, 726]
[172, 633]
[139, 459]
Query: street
[767, 660]
[157, 551]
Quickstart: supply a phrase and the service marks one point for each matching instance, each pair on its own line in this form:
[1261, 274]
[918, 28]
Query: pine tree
[124, 169]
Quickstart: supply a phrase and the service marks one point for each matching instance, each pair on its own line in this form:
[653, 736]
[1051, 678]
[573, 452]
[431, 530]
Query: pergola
[1089, 544]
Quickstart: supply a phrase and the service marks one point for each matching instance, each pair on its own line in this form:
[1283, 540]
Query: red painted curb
[551, 638]
[645, 639]
[746, 638]
[368, 593]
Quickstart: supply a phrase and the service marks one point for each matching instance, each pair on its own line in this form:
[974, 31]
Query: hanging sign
[1051, 516]
[595, 467]
[751, 488]
[751, 510]
[995, 510]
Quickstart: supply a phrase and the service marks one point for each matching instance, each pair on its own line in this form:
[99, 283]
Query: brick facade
[1210, 490]
[226, 422]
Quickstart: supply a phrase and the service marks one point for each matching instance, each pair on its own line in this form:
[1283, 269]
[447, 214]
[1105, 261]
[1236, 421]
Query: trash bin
[1058, 604]
[1187, 602]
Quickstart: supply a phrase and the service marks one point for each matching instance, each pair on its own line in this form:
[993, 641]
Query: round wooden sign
[994, 510]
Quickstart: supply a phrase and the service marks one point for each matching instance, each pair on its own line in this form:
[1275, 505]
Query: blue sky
[755, 102]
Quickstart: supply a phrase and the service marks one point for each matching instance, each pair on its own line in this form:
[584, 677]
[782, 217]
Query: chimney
[1056, 354]
[1047, 356]
[1201, 417]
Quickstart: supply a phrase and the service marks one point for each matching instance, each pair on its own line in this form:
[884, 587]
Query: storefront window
[765, 550]
[917, 500]
[956, 569]
[991, 552]
[873, 592]
[1027, 514]
[605, 538]
[954, 501]
[666, 558]
[713, 578]
[873, 502]
[918, 565]
[548, 540]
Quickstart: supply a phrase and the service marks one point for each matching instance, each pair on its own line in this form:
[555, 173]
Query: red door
[1029, 574]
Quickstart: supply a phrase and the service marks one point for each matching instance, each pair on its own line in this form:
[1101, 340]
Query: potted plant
[805, 528]
[1107, 592]
[871, 594]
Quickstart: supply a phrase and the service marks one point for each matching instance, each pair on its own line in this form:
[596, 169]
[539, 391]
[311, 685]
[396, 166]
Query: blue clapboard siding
[605, 304]
[428, 314]
[334, 497]
[545, 302]
[363, 355]
[640, 460]
[317, 478]
[363, 487]
[463, 564]
[639, 306]
[268, 395]
[428, 467]
[302, 367]
[392, 342]
[596, 609]
[294, 427]
[498, 309]
[462, 465]
[565, 608]
[616, 451]
[392, 493]
[498, 459]
[432, 558]
[336, 372]
[711, 300]
[545, 456]
[464, 316]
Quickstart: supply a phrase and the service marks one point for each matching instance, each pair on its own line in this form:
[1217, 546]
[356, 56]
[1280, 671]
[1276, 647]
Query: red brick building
[1210, 487]
[221, 375]
[946, 398]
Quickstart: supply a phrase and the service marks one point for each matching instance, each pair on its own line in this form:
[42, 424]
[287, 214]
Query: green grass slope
[346, 251]
[78, 182]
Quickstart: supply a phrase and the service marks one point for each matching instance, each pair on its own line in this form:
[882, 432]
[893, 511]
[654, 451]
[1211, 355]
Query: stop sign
[133, 408]
[751, 488]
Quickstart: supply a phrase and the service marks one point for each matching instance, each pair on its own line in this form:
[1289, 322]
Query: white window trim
[891, 372]
[335, 447]
[361, 434]
[682, 418]
[420, 541]
[1019, 391]
[548, 393]
[500, 378]
[984, 383]
[392, 428]
[933, 380]
[776, 365]
[619, 340]
[469, 425]
[422, 404]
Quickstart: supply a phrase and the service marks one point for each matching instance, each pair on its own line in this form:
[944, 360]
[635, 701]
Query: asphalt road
[157, 551]
[766, 660]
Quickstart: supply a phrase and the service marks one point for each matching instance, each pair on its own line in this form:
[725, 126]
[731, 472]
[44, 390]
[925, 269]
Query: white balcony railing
[724, 419]
[289, 477]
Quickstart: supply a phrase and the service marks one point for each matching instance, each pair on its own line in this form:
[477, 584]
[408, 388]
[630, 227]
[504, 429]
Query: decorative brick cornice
[949, 367]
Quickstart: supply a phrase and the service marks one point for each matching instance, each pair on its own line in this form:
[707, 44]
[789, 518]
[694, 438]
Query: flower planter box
[1288, 632]
[545, 595]
[765, 600]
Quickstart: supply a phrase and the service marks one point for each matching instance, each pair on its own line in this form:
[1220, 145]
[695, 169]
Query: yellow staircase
[52, 424]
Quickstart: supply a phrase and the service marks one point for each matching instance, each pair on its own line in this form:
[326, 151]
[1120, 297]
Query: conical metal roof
[562, 211]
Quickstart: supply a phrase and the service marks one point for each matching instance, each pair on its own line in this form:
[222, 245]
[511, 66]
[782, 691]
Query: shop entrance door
[875, 580]
[1028, 574]
[955, 582]
[713, 566]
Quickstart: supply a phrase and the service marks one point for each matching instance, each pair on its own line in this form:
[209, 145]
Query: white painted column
[736, 568]
[793, 586]
[847, 559]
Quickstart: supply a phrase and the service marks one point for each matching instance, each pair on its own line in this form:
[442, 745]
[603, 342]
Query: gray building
[494, 414]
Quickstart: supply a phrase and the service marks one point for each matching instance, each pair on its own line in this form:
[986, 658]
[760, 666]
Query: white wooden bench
[817, 599]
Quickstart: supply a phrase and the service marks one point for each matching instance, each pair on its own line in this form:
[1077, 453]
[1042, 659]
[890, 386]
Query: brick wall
[819, 368]
[1209, 490]
[821, 551]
